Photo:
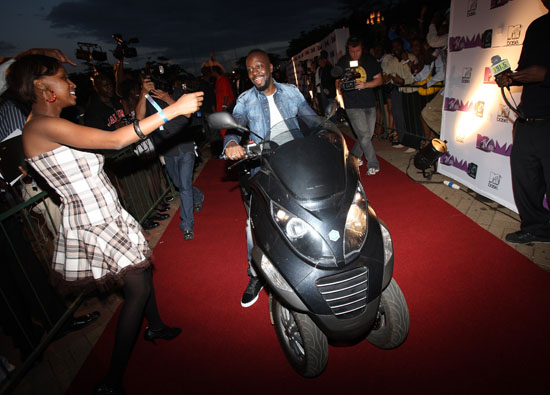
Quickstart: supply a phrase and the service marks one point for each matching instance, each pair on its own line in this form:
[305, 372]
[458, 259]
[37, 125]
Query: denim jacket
[252, 109]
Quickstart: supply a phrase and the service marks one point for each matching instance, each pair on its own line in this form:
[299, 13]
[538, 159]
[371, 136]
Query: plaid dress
[97, 237]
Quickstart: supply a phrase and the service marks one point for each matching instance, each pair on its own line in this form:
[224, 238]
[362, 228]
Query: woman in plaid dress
[98, 241]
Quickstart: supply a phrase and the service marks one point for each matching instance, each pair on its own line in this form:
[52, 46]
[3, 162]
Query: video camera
[347, 76]
[156, 73]
[122, 49]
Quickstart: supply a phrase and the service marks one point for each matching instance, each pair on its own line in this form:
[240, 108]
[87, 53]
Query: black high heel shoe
[166, 333]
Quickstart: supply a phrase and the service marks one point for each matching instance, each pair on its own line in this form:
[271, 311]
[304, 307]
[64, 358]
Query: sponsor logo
[488, 76]
[467, 75]
[452, 104]
[488, 144]
[472, 170]
[503, 113]
[479, 108]
[472, 8]
[459, 139]
[514, 33]
[498, 3]
[482, 40]
[450, 160]
[494, 180]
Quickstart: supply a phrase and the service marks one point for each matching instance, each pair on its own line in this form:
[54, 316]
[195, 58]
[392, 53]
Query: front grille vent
[346, 293]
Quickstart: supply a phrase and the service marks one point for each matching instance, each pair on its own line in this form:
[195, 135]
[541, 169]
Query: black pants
[530, 161]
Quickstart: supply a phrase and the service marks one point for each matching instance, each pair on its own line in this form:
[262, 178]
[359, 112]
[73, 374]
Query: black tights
[139, 300]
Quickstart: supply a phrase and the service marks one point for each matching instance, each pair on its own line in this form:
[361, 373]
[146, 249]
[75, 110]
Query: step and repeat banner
[477, 122]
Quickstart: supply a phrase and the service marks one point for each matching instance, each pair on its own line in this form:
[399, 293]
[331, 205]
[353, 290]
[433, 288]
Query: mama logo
[487, 144]
[452, 104]
[451, 160]
[482, 40]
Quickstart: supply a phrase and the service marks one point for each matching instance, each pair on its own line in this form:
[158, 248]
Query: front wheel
[392, 323]
[303, 343]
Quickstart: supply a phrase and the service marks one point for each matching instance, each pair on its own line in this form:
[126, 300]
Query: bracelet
[157, 107]
[138, 131]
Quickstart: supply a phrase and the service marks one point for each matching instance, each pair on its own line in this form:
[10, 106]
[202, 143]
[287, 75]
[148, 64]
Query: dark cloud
[185, 31]
[6, 47]
[181, 29]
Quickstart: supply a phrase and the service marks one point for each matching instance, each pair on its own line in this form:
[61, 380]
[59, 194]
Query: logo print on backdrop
[450, 160]
[488, 144]
[498, 3]
[488, 76]
[452, 104]
[472, 8]
[503, 113]
[514, 33]
[494, 180]
[467, 75]
[472, 170]
[479, 108]
[482, 40]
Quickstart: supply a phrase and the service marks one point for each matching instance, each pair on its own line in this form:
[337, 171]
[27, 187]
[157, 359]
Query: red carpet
[480, 311]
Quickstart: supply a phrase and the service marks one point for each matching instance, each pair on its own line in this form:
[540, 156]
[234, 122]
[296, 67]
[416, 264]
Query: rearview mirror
[224, 120]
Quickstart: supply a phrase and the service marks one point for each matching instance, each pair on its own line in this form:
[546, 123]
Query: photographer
[356, 87]
[175, 143]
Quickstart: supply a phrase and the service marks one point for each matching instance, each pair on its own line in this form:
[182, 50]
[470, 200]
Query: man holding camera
[362, 74]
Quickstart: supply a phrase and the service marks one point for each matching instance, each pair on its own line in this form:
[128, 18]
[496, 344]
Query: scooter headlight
[356, 223]
[304, 239]
[388, 244]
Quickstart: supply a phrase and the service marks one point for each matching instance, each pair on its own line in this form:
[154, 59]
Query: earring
[53, 98]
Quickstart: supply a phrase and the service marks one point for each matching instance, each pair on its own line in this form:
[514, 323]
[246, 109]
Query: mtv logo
[494, 180]
[514, 32]
[504, 110]
[467, 74]
[472, 7]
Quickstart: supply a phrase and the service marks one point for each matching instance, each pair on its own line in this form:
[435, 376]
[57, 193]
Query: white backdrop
[477, 123]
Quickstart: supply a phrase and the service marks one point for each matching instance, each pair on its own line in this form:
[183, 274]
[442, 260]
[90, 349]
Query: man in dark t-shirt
[104, 110]
[359, 99]
[530, 158]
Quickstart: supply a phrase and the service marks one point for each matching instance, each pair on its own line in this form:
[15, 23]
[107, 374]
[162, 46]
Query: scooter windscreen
[309, 157]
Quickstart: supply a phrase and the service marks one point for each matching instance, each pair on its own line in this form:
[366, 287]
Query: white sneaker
[372, 171]
[398, 146]
[409, 150]
[359, 162]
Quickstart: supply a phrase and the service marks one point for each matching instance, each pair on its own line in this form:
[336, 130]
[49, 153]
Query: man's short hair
[324, 54]
[258, 50]
[354, 41]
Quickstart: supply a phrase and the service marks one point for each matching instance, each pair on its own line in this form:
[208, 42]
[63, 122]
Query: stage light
[428, 156]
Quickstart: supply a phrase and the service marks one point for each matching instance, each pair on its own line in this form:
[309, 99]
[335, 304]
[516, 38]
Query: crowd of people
[98, 242]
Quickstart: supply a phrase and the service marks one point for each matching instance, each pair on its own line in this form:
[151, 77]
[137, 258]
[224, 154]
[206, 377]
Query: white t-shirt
[275, 117]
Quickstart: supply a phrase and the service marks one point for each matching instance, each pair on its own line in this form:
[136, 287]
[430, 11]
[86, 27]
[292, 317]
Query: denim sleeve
[239, 113]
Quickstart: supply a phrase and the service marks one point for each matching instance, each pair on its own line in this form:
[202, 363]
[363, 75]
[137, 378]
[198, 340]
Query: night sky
[183, 31]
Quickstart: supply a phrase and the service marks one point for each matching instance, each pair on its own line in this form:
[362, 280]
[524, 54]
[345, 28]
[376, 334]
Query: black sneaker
[188, 234]
[522, 237]
[252, 292]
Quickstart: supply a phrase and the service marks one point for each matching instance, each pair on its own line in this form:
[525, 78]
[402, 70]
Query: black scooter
[326, 257]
